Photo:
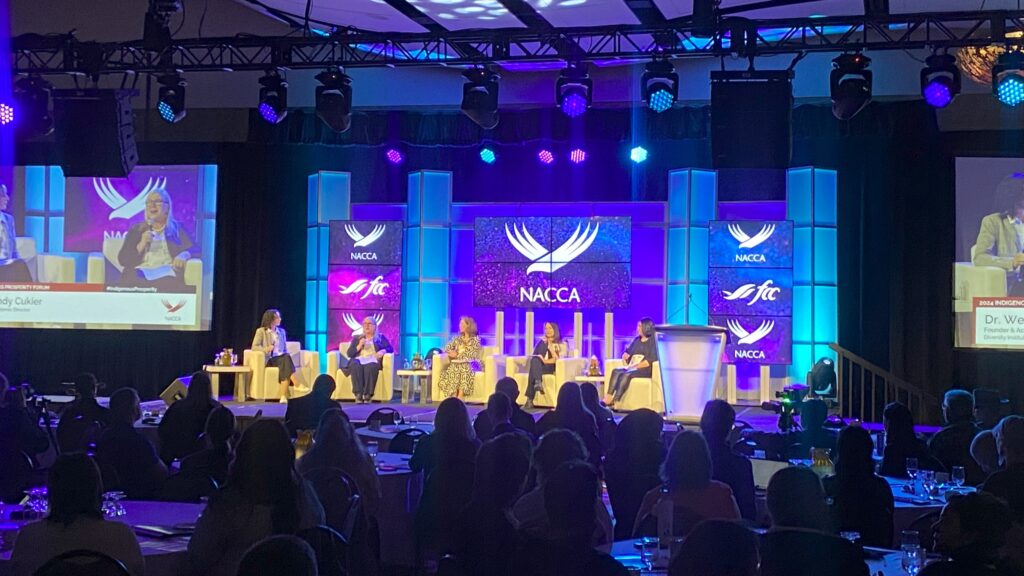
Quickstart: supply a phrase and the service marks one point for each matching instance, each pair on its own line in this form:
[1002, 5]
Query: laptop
[764, 470]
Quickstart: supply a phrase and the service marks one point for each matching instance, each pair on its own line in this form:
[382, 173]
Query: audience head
[220, 426]
[85, 385]
[797, 500]
[124, 406]
[688, 464]
[323, 386]
[1009, 437]
[813, 413]
[13, 397]
[988, 406]
[717, 548]
[556, 448]
[589, 395]
[984, 451]
[854, 450]
[958, 406]
[74, 488]
[898, 422]
[263, 471]
[200, 389]
[717, 420]
[509, 387]
[638, 429]
[972, 526]
[499, 408]
[502, 465]
[336, 439]
[570, 405]
[569, 496]
[452, 421]
[279, 554]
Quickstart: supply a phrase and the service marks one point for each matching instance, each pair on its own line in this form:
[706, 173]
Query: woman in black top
[571, 414]
[545, 354]
[633, 466]
[901, 443]
[639, 356]
[185, 420]
[861, 501]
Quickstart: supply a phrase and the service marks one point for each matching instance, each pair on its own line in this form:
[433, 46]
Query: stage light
[334, 99]
[940, 80]
[1007, 78]
[394, 156]
[660, 85]
[638, 154]
[273, 97]
[545, 156]
[480, 97]
[574, 90]
[6, 114]
[577, 156]
[32, 96]
[850, 85]
[488, 156]
[171, 99]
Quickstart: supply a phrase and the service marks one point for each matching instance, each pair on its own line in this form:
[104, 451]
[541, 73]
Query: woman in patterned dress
[464, 354]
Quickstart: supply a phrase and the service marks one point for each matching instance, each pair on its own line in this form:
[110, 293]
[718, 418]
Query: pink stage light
[577, 156]
[394, 156]
[545, 156]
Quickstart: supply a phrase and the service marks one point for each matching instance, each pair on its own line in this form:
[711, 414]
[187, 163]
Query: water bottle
[406, 365]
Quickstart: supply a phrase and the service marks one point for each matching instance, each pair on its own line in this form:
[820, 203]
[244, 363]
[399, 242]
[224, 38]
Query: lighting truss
[34, 54]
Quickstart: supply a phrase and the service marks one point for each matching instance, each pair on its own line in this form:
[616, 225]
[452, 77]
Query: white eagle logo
[356, 326]
[544, 261]
[751, 241]
[121, 208]
[745, 337]
[363, 241]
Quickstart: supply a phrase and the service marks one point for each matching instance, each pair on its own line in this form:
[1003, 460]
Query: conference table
[386, 433]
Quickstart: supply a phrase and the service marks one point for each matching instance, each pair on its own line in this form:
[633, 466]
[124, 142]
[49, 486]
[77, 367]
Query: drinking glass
[371, 449]
[648, 551]
[910, 538]
[912, 560]
[414, 420]
[850, 535]
[928, 482]
[958, 476]
[912, 468]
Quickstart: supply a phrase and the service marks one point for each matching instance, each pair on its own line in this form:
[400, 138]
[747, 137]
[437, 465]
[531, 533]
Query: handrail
[864, 388]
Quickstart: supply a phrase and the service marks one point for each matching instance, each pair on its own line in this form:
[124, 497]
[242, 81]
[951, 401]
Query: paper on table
[156, 273]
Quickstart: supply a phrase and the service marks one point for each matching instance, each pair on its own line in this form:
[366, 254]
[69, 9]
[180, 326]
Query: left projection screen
[108, 253]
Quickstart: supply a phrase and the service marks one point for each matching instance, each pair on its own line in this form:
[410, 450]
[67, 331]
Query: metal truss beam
[65, 55]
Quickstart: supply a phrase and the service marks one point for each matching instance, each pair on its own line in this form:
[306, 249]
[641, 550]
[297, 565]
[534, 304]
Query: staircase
[863, 390]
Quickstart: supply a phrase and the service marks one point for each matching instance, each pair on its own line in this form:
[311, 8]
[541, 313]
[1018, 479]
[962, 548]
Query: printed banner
[751, 291]
[743, 244]
[95, 304]
[999, 322]
[757, 339]
[377, 243]
[364, 287]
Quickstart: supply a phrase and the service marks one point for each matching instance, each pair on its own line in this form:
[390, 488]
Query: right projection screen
[988, 279]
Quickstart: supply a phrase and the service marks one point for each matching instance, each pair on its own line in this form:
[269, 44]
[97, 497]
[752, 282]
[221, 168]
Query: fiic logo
[766, 292]
[373, 287]
[121, 208]
[544, 261]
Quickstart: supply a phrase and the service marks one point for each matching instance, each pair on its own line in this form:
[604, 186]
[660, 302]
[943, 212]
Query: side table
[406, 379]
[242, 375]
[595, 380]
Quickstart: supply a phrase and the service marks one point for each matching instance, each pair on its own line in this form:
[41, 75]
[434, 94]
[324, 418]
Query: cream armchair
[45, 267]
[264, 382]
[970, 281]
[566, 370]
[483, 381]
[642, 392]
[382, 392]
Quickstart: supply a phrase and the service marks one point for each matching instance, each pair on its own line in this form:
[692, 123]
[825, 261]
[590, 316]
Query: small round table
[597, 381]
[242, 375]
[407, 378]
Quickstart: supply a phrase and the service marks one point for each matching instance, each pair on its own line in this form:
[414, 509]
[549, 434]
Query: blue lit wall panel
[802, 256]
[312, 305]
[703, 197]
[825, 314]
[311, 253]
[648, 254]
[410, 307]
[57, 190]
[580, 209]
[698, 255]
[434, 309]
[462, 254]
[35, 226]
[435, 253]
[312, 199]
[803, 359]
[436, 198]
[824, 197]
[676, 304]
[676, 255]
[678, 196]
[379, 212]
[324, 241]
[411, 254]
[209, 176]
[698, 305]
[321, 298]
[55, 236]
[756, 210]
[825, 256]
[335, 196]
[466, 214]
[799, 186]
[803, 310]
[35, 188]
[639, 212]
[414, 199]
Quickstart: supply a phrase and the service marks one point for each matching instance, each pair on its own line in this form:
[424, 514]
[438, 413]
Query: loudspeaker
[97, 130]
[751, 119]
[176, 391]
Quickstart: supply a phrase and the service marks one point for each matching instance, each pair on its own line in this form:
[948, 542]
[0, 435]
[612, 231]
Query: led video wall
[751, 289]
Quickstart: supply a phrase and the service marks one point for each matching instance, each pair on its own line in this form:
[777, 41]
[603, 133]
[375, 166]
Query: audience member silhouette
[338, 446]
[861, 501]
[19, 426]
[985, 453]
[570, 498]
[571, 414]
[304, 412]
[264, 496]
[521, 419]
[214, 459]
[729, 467]
[75, 521]
[279, 555]
[1008, 483]
[901, 442]
[633, 466]
[952, 445]
[717, 548]
[604, 417]
[989, 407]
[970, 531]
[83, 421]
[185, 420]
[800, 541]
[499, 416]
[126, 457]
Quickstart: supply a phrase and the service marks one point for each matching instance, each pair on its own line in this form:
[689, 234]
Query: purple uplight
[269, 113]
[6, 114]
[545, 156]
[937, 94]
[577, 156]
[394, 156]
[574, 105]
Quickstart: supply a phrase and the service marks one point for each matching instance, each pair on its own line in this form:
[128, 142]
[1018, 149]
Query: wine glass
[414, 421]
[928, 482]
[371, 449]
[912, 468]
[648, 550]
[959, 476]
[912, 560]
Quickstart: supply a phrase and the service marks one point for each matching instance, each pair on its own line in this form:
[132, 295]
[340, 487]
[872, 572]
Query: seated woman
[75, 521]
[686, 474]
[154, 252]
[861, 501]
[631, 468]
[183, 423]
[901, 442]
[571, 414]
[366, 354]
[464, 356]
[338, 446]
[271, 339]
[639, 356]
[542, 362]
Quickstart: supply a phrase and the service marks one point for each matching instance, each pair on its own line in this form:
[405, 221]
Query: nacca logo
[364, 241]
[172, 308]
[545, 261]
[747, 338]
[356, 326]
[373, 287]
[120, 208]
[747, 242]
[766, 292]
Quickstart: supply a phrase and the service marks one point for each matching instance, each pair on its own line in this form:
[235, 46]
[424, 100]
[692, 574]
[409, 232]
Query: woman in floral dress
[464, 354]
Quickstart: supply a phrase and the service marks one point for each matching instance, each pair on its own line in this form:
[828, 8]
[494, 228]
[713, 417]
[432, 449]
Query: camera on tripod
[787, 405]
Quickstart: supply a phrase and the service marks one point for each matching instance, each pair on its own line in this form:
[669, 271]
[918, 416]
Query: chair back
[339, 496]
[405, 441]
[923, 525]
[385, 416]
[684, 520]
[18, 473]
[331, 548]
[82, 563]
[187, 487]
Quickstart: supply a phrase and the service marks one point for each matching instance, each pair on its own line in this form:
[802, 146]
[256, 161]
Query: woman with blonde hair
[464, 357]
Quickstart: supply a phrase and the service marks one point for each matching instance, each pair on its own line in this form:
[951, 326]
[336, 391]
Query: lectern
[690, 358]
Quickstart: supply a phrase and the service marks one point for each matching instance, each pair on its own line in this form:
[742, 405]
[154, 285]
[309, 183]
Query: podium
[690, 359]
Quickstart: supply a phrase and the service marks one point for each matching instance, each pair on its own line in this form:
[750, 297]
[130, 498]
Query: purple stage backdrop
[364, 287]
[740, 244]
[751, 292]
[108, 207]
[757, 339]
[568, 262]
